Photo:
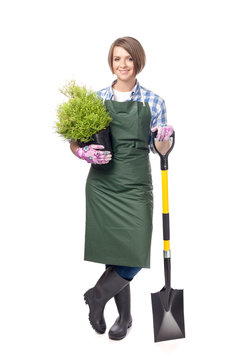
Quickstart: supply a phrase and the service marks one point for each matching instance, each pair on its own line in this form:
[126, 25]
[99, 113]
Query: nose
[122, 63]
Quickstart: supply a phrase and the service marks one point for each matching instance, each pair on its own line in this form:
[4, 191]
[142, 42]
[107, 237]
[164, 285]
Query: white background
[193, 62]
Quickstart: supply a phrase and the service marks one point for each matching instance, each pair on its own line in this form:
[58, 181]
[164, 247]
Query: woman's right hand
[93, 154]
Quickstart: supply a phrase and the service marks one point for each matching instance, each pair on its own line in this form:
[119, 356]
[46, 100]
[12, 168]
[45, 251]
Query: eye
[130, 59]
[116, 59]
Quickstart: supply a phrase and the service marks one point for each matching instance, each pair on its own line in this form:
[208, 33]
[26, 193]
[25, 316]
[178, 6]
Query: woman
[119, 201]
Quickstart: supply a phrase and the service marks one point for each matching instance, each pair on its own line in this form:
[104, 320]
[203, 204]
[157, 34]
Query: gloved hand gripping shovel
[167, 304]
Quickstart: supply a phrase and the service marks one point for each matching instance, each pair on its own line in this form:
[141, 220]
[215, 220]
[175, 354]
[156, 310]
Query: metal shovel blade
[168, 314]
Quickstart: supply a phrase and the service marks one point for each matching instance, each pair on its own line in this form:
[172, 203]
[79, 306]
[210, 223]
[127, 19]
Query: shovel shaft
[167, 272]
[166, 230]
[165, 212]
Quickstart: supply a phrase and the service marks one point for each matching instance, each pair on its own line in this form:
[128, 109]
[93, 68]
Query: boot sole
[89, 316]
[113, 337]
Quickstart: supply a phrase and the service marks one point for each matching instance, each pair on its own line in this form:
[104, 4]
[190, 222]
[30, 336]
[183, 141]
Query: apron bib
[119, 200]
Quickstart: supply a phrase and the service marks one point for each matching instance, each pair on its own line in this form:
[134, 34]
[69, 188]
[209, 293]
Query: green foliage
[83, 115]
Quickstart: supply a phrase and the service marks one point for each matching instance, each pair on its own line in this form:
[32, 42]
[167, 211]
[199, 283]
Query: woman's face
[123, 65]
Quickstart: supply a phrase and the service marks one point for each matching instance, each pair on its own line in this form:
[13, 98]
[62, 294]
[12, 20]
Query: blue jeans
[126, 272]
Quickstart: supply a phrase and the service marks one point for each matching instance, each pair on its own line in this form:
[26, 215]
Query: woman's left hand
[164, 132]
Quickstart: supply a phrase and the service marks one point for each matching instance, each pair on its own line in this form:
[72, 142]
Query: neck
[124, 86]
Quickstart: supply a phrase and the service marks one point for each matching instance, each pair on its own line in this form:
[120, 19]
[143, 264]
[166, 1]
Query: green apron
[119, 200]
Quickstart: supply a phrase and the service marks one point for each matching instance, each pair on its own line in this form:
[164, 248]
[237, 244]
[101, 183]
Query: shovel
[167, 304]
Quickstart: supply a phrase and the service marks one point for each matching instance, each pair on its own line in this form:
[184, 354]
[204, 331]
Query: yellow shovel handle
[165, 191]
[165, 215]
[165, 212]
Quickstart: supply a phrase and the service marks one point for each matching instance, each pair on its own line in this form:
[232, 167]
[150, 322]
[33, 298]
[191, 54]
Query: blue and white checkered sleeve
[159, 115]
[101, 93]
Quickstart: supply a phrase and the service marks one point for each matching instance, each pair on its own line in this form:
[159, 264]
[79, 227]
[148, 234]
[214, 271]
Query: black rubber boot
[119, 329]
[109, 284]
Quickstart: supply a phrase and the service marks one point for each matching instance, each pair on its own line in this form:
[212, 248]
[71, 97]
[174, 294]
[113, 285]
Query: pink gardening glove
[91, 154]
[164, 132]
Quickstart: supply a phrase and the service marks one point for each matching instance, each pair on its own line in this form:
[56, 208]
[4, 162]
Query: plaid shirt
[139, 93]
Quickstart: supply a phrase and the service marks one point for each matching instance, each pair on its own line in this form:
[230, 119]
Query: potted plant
[83, 118]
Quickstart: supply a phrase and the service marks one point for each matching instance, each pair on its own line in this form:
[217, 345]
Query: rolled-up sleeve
[159, 116]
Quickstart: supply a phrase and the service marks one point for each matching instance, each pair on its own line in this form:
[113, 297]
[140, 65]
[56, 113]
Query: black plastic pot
[82, 144]
[103, 137]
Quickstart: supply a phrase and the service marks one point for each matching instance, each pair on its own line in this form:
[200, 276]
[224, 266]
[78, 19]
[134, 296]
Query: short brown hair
[134, 48]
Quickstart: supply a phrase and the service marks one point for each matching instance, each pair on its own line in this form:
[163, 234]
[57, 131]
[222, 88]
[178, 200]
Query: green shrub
[83, 115]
